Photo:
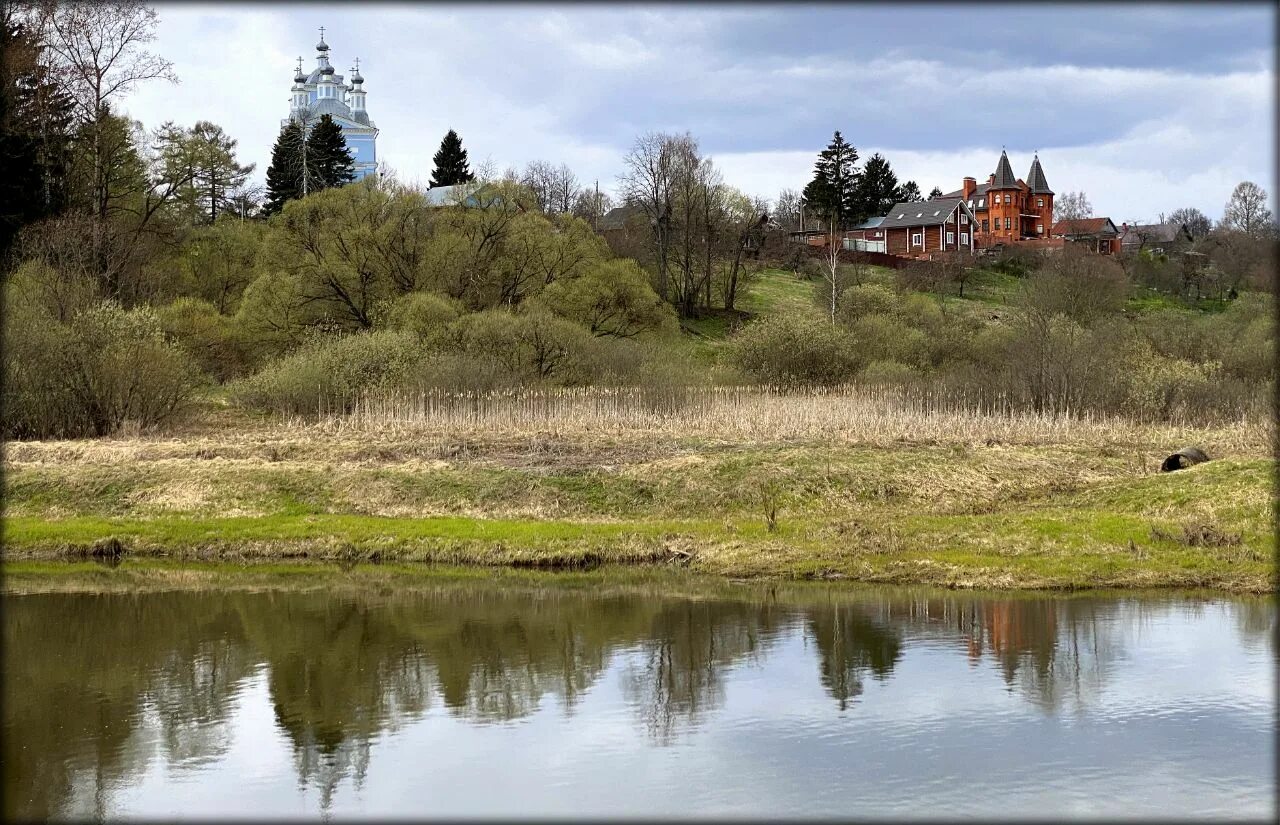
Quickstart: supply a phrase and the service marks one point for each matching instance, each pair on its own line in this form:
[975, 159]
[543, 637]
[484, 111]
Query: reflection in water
[99, 688]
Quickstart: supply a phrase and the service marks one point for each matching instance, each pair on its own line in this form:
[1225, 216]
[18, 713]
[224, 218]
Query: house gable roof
[1085, 226]
[923, 213]
[1160, 232]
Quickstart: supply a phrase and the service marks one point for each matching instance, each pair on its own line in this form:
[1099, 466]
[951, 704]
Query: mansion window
[1008, 223]
[1040, 202]
[984, 225]
[1039, 229]
[964, 218]
[1006, 197]
[981, 201]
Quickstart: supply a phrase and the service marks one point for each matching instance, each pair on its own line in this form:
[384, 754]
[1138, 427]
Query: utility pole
[595, 207]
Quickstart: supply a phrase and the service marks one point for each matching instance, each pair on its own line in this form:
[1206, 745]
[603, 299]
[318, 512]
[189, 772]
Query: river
[532, 698]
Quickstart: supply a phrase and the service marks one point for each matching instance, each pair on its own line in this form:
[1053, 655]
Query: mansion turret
[323, 92]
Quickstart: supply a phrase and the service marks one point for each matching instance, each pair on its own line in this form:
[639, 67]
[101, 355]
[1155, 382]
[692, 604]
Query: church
[325, 93]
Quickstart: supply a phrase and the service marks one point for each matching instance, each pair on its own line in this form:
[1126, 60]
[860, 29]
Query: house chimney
[991, 179]
[970, 185]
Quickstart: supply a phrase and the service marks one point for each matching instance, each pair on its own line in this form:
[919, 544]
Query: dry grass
[849, 414]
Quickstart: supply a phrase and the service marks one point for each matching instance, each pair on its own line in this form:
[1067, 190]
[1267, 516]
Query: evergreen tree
[909, 193]
[285, 174]
[833, 191]
[328, 159]
[36, 128]
[877, 190]
[451, 162]
[935, 192]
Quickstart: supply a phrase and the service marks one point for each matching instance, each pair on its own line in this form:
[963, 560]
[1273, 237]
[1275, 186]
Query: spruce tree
[36, 130]
[909, 193]
[284, 175]
[833, 191]
[328, 158]
[451, 162]
[935, 192]
[877, 187]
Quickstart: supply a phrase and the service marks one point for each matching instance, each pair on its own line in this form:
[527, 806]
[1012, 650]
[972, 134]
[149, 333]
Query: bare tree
[1197, 222]
[591, 204]
[787, 212]
[649, 184]
[1247, 210]
[831, 264]
[1072, 206]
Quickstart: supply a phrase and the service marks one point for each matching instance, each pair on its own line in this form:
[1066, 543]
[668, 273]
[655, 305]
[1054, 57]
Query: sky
[1145, 108]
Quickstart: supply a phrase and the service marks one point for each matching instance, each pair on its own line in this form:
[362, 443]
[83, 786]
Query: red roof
[1083, 226]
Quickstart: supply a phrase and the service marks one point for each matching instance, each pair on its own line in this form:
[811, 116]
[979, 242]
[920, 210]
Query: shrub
[426, 315]
[787, 350]
[866, 299]
[104, 369]
[328, 374]
[213, 340]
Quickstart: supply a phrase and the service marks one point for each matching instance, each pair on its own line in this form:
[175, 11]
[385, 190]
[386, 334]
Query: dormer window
[937, 212]
[982, 203]
[919, 214]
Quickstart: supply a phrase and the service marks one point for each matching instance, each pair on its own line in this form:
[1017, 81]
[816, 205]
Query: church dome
[322, 46]
[327, 70]
[356, 78]
[299, 78]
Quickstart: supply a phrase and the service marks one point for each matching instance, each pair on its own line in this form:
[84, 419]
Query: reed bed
[851, 413]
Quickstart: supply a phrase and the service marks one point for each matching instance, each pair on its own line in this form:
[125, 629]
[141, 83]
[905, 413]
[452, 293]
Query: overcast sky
[1145, 108]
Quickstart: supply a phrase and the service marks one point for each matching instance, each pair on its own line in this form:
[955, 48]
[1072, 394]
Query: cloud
[1162, 107]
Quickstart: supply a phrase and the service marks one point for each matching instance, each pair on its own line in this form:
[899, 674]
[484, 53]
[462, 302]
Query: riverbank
[889, 497]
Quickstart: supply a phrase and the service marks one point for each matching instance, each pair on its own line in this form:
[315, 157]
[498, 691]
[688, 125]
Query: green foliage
[330, 373]
[611, 298]
[217, 262]
[102, 369]
[425, 314]
[795, 350]
[214, 341]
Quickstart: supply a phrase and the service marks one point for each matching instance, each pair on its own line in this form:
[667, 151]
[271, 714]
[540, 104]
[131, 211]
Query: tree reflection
[850, 646]
[99, 686]
[83, 670]
[678, 674]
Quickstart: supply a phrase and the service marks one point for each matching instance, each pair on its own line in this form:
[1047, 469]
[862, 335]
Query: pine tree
[935, 192]
[833, 191]
[909, 193]
[451, 162]
[36, 129]
[328, 158]
[877, 187]
[284, 175]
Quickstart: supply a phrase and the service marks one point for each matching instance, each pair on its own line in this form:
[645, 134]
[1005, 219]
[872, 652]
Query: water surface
[470, 698]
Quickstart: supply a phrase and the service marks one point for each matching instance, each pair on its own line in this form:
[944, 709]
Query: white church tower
[323, 92]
